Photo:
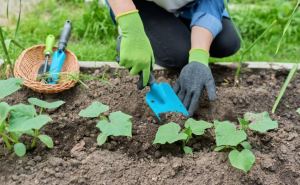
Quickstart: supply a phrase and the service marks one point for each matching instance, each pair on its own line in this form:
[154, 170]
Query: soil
[76, 158]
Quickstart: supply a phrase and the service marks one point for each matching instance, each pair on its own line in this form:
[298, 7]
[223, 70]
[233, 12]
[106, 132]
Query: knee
[226, 47]
[231, 47]
[173, 57]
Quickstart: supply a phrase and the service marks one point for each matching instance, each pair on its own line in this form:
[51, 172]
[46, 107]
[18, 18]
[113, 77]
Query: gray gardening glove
[191, 82]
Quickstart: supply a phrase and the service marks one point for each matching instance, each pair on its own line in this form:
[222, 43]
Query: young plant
[298, 110]
[19, 120]
[116, 124]
[228, 137]
[47, 140]
[172, 132]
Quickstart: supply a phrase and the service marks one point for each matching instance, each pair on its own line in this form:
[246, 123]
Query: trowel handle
[49, 45]
[140, 85]
[65, 35]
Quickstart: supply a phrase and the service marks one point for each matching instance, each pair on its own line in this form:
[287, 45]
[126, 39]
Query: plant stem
[19, 18]
[36, 134]
[287, 26]
[238, 71]
[284, 87]
[41, 110]
[7, 140]
[4, 47]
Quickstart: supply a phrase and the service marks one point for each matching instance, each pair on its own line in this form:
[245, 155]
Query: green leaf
[9, 86]
[243, 123]
[198, 127]
[169, 133]
[94, 110]
[4, 111]
[219, 148]
[33, 123]
[227, 134]
[21, 113]
[243, 160]
[246, 145]
[188, 150]
[20, 149]
[261, 122]
[101, 139]
[298, 110]
[44, 104]
[119, 124]
[47, 140]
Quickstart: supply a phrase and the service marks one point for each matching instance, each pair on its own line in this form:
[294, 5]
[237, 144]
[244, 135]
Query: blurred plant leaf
[94, 110]
[4, 111]
[44, 104]
[9, 86]
[34, 123]
[119, 124]
[227, 134]
[169, 133]
[20, 149]
[198, 127]
[187, 150]
[260, 122]
[47, 140]
[243, 160]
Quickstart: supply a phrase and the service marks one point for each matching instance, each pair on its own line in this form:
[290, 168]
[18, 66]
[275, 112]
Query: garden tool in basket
[47, 52]
[161, 98]
[59, 56]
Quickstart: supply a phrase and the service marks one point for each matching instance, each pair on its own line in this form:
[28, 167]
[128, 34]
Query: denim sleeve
[208, 14]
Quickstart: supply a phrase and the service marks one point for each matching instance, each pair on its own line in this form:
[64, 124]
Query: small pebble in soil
[37, 158]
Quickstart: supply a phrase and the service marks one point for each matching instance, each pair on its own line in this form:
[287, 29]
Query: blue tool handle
[65, 35]
[56, 66]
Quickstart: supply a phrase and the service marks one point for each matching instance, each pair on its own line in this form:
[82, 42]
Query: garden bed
[76, 158]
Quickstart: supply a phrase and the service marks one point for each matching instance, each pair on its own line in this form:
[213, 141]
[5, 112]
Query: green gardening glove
[136, 53]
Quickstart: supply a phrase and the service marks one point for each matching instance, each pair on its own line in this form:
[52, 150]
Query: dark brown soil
[76, 158]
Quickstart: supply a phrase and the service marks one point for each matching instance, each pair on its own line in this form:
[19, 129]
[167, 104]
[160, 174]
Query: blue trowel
[161, 98]
[59, 56]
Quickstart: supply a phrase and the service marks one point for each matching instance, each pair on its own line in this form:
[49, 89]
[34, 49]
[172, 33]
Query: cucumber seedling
[116, 124]
[21, 119]
[229, 137]
[47, 140]
[172, 132]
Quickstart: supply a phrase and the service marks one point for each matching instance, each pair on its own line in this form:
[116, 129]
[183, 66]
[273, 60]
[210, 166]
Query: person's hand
[136, 52]
[193, 78]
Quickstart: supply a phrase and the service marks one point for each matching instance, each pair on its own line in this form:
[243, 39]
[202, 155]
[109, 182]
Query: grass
[93, 36]
[52, 15]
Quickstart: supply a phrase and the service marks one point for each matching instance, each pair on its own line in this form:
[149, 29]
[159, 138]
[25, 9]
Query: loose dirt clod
[76, 159]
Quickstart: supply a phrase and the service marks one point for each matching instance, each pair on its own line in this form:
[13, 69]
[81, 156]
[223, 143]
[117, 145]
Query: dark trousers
[170, 36]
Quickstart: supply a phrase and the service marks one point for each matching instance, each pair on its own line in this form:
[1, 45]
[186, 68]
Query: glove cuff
[130, 22]
[126, 13]
[199, 55]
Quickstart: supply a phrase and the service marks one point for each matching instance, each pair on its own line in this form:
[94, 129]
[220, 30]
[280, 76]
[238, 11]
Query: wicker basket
[29, 62]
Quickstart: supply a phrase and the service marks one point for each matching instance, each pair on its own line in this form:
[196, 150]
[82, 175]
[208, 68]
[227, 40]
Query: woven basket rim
[42, 87]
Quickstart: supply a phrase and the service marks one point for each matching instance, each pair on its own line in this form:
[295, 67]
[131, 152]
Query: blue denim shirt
[204, 13]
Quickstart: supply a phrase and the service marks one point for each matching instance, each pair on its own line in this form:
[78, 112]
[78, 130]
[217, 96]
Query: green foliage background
[93, 36]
